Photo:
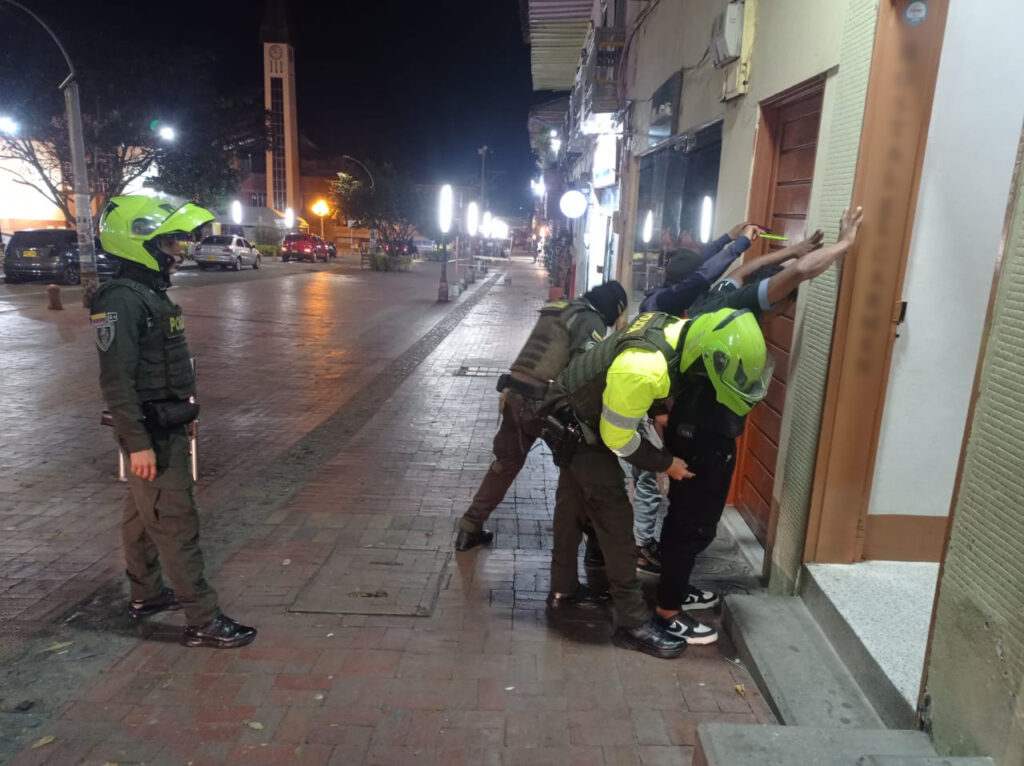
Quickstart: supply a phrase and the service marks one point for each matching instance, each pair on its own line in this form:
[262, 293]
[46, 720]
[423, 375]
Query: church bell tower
[279, 99]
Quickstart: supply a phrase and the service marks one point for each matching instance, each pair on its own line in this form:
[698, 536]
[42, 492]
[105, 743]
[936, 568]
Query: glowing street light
[573, 204]
[8, 126]
[236, 212]
[485, 227]
[166, 132]
[321, 209]
[444, 218]
[538, 187]
[472, 218]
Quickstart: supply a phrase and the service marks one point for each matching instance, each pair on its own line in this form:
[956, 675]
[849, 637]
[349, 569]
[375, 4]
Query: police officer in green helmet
[147, 381]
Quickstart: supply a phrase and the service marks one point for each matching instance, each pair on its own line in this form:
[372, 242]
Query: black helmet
[609, 299]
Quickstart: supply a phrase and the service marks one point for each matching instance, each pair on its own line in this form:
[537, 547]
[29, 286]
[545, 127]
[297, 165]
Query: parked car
[303, 247]
[226, 251]
[50, 254]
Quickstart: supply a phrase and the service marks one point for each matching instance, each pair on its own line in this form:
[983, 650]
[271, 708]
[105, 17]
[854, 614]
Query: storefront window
[676, 194]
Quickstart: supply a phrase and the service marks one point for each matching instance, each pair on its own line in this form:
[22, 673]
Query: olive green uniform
[565, 328]
[144, 358]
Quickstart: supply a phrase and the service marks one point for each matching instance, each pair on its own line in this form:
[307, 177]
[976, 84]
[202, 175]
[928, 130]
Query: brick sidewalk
[483, 679]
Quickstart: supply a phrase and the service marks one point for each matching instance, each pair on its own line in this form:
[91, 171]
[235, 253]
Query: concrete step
[909, 760]
[795, 666]
[857, 611]
[729, 744]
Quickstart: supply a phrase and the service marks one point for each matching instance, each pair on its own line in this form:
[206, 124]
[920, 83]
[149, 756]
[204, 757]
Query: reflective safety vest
[612, 386]
[547, 352]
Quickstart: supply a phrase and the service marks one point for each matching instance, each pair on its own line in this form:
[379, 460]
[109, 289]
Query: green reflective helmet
[735, 356]
[130, 226]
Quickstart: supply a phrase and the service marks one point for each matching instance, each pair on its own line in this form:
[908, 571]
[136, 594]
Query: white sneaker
[685, 627]
[697, 599]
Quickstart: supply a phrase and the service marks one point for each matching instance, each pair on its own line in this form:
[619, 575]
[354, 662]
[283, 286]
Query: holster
[163, 415]
[562, 433]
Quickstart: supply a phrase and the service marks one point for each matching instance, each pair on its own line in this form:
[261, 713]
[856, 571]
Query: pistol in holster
[562, 433]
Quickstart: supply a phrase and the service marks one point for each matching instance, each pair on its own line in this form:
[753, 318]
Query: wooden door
[781, 190]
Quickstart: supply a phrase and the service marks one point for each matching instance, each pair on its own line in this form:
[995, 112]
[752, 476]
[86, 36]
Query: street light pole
[445, 203]
[76, 139]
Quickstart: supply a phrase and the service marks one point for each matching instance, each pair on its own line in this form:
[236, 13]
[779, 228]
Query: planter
[554, 293]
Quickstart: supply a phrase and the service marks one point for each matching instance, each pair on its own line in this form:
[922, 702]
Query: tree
[393, 207]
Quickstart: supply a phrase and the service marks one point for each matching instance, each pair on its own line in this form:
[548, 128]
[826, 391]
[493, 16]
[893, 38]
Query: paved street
[347, 419]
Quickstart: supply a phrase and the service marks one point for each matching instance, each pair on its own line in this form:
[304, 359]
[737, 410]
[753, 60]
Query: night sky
[421, 84]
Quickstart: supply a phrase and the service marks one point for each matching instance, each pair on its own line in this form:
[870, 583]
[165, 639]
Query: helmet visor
[183, 220]
[749, 384]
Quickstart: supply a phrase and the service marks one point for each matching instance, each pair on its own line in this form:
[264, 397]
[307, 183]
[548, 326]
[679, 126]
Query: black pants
[694, 509]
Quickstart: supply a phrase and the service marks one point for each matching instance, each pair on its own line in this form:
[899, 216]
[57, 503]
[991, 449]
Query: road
[278, 350]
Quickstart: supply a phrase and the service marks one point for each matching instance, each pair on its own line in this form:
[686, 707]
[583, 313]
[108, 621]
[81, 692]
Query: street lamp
[8, 126]
[236, 212]
[83, 200]
[472, 218]
[166, 132]
[321, 209]
[485, 227]
[368, 173]
[573, 204]
[444, 215]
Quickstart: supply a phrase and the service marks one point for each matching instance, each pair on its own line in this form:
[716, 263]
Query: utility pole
[83, 200]
[482, 151]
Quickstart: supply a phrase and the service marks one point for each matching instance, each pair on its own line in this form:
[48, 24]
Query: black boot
[650, 639]
[221, 632]
[467, 540]
[165, 601]
[583, 598]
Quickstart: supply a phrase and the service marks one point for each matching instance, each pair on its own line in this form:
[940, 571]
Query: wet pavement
[347, 419]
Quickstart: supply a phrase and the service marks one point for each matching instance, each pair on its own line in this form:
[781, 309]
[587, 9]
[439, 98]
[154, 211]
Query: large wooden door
[781, 190]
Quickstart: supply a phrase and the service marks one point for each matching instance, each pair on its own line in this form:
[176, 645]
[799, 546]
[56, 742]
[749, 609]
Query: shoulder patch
[105, 325]
[597, 336]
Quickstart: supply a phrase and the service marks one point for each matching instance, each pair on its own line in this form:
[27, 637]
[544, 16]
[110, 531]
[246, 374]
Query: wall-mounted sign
[573, 204]
[604, 161]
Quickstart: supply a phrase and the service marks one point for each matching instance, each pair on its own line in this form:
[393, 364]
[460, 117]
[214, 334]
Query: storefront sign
[604, 161]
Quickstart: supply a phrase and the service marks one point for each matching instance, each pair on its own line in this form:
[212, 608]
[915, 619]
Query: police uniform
[144, 358]
[565, 329]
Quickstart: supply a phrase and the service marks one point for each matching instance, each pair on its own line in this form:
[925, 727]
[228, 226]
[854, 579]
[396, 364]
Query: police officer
[565, 329]
[147, 381]
[608, 390]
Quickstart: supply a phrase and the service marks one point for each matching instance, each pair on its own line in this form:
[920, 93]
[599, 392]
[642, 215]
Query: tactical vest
[164, 369]
[584, 380]
[546, 352]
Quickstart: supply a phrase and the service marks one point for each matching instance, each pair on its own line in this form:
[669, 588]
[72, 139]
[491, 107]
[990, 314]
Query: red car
[303, 247]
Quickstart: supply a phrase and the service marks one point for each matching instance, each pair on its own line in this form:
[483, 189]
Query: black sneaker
[697, 599]
[651, 639]
[648, 558]
[221, 632]
[583, 598]
[688, 629]
[467, 540]
[165, 601]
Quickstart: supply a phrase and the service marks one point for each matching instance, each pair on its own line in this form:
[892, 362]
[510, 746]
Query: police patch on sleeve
[105, 325]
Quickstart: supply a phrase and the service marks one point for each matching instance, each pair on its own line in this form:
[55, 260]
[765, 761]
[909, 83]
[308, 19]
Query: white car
[226, 251]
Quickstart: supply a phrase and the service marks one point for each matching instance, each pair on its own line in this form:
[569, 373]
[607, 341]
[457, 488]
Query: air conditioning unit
[727, 35]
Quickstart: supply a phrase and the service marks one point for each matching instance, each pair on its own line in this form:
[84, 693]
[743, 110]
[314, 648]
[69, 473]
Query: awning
[557, 30]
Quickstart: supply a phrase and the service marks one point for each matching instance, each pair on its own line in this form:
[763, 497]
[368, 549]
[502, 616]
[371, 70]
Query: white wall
[972, 142]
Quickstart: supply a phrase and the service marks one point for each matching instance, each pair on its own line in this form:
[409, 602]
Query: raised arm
[798, 250]
[814, 262]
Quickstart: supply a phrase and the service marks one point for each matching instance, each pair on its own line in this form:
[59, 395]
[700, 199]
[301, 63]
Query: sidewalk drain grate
[394, 581]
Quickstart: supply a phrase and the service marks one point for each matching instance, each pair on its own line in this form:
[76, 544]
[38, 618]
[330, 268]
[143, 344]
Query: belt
[529, 390]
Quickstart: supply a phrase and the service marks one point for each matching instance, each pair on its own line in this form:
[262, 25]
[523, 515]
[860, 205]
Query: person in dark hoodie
[565, 328]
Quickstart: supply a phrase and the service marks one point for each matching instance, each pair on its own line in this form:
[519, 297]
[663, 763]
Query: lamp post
[321, 209]
[472, 226]
[444, 214]
[83, 200]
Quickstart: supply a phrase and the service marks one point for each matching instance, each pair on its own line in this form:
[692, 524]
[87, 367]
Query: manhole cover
[395, 581]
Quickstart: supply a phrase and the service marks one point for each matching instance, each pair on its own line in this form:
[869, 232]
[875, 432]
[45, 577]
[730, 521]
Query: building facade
[863, 458]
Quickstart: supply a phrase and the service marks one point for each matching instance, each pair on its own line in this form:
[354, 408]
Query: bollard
[53, 296]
